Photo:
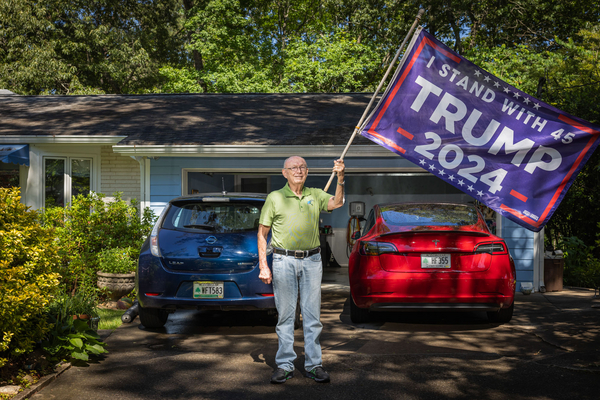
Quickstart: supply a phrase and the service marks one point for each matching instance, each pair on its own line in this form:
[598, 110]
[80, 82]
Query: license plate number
[208, 290]
[435, 260]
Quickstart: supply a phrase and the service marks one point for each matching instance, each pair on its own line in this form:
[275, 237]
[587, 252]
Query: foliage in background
[91, 225]
[86, 46]
[118, 260]
[582, 269]
[28, 281]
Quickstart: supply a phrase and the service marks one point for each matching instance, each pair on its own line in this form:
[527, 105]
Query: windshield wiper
[201, 226]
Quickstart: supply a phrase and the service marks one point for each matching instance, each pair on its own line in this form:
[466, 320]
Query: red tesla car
[430, 257]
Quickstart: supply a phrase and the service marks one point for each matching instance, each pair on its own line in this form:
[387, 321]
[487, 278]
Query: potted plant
[116, 271]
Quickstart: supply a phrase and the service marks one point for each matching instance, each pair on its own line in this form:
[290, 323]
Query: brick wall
[119, 174]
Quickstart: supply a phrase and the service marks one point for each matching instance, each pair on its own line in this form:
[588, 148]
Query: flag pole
[358, 126]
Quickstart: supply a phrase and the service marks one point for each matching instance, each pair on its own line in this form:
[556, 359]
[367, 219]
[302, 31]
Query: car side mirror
[356, 235]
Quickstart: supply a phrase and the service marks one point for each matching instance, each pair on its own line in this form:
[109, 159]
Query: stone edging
[43, 382]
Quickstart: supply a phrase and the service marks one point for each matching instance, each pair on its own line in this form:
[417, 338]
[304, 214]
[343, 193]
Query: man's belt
[297, 253]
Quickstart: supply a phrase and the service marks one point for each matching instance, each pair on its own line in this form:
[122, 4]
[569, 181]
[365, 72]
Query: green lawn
[109, 319]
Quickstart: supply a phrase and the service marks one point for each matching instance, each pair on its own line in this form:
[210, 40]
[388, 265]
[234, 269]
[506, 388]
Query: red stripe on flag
[405, 134]
[521, 216]
[518, 196]
[577, 125]
[387, 141]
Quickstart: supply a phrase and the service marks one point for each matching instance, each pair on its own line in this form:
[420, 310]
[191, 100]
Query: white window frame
[68, 180]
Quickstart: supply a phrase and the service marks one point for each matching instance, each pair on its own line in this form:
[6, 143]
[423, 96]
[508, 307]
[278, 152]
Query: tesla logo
[211, 240]
[435, 241]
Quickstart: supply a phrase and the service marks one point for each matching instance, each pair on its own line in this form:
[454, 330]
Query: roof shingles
[191, 119]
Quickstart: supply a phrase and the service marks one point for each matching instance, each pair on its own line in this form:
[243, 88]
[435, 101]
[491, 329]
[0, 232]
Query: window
[214, 217]
[208, 182]
[65, 177]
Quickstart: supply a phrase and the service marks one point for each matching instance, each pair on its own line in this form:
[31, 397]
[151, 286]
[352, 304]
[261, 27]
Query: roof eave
[251, 150]
[50, 139]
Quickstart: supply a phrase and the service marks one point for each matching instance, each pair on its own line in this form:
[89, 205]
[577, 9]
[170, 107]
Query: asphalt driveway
[550, 350]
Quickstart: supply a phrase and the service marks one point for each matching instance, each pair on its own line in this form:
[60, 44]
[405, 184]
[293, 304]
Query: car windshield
[214, 217]
[428, 215]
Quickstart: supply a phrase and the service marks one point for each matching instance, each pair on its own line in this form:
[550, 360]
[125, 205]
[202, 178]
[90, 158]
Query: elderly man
[293, 214]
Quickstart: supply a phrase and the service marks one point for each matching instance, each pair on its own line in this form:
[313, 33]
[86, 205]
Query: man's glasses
[297, 169]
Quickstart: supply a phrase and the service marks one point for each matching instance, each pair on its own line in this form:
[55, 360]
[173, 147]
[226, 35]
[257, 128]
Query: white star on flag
[516, 95]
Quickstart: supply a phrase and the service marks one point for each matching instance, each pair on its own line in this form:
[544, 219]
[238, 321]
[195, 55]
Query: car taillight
[154, 249]
[491, 248]
[376, 248]
[154, 246]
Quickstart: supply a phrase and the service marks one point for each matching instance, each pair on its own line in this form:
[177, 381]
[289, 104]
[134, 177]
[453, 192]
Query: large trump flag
[514, 153]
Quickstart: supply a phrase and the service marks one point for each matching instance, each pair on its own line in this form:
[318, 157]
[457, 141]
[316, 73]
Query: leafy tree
[86, 46]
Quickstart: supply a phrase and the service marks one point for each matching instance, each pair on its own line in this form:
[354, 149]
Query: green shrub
[73, 340]
[118, 260]
[582, 269]
[28, 278]
[91, 225]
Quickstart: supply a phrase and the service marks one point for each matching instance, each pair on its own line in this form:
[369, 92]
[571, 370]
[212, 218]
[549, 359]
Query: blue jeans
[291, 275]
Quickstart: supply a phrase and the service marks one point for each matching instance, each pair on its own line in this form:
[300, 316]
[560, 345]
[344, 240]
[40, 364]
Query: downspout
[144, 181]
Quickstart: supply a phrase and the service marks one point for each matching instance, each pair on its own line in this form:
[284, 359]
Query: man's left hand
[339, 167]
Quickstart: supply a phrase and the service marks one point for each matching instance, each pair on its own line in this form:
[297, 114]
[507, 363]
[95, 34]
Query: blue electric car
[202, 254]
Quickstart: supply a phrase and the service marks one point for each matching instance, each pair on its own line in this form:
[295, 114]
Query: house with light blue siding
[158, 147]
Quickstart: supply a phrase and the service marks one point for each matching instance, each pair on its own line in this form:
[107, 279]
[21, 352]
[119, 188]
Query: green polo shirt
[294, 220]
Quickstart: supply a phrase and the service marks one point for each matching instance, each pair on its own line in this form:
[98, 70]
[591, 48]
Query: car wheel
[357, 314]
[503, 315]
[153, 317]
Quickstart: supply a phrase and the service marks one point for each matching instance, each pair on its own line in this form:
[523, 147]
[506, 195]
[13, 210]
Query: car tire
[358, 315]
[503, 315]
[153, 317]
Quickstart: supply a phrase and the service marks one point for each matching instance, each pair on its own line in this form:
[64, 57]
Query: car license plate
[440, 260]
[208, 290]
